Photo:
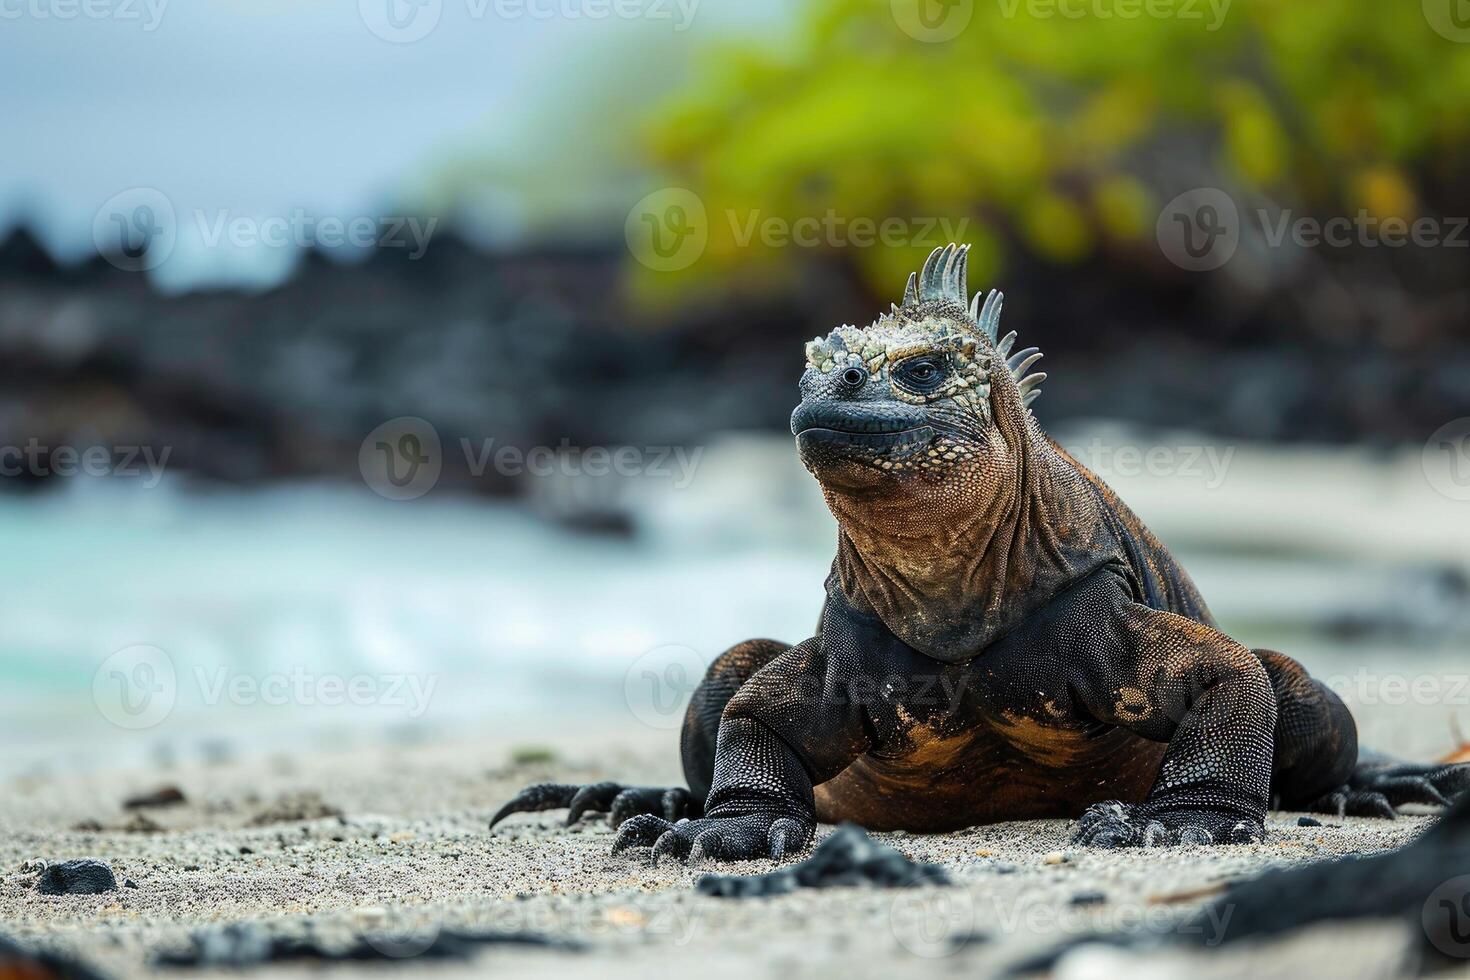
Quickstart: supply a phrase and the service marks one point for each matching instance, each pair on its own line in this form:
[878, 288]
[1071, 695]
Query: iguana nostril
[854, 377]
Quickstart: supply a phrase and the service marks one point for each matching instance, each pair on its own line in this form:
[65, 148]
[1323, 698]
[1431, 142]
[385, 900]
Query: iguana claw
[783, 832]
[741, 838]
[619, 802]
[1114, 824]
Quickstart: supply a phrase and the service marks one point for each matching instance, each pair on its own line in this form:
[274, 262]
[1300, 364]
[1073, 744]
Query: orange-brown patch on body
[1046, 745]
[1012, 767]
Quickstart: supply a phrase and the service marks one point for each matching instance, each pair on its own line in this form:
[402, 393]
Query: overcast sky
[257, 107]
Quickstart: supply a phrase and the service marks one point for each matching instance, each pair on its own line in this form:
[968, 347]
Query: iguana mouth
[862, 433]
[901, 439]
[859, 424]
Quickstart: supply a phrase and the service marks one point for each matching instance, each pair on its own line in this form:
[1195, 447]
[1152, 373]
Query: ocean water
[266, 607]
[183, 619]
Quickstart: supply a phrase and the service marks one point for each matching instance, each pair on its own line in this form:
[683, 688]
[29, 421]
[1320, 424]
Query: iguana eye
[921, 374]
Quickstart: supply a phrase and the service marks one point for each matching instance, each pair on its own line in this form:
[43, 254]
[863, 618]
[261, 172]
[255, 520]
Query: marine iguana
[1001, 639]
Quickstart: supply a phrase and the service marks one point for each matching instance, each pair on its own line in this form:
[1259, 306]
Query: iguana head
[956, 516]
[923, 400]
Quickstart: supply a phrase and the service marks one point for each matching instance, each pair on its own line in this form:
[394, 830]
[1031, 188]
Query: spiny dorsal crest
[943, 280]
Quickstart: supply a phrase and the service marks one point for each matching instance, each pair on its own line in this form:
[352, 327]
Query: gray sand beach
[392, 842]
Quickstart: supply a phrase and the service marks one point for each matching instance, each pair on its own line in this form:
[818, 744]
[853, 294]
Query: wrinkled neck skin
[951, 560]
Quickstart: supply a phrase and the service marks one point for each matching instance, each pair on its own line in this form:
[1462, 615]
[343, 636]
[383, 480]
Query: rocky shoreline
[545, 348]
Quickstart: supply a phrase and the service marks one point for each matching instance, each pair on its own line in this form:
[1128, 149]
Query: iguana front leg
[1168, 678]
[724, 678]
[761, 805]
[789, 728]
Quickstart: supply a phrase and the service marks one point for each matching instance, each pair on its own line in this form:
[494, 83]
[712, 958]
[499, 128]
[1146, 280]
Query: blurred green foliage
[1061, 134]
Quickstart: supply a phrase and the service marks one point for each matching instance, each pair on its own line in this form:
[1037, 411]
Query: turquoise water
[326, 612]
[442, 610]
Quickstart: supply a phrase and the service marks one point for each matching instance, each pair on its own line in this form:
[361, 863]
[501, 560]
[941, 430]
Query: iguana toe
[742, 838]
[618, 801]
[706, 847]
[642, 830]
[1348, 802]
[668, 843]
[1378, 787]
[597, 797]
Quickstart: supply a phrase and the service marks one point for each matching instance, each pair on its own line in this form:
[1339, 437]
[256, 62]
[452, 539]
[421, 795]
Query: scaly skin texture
[1002, 639]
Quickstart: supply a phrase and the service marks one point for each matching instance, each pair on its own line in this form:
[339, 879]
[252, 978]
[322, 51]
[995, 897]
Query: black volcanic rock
[79, 877]
[541, 347]
[21, 254]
